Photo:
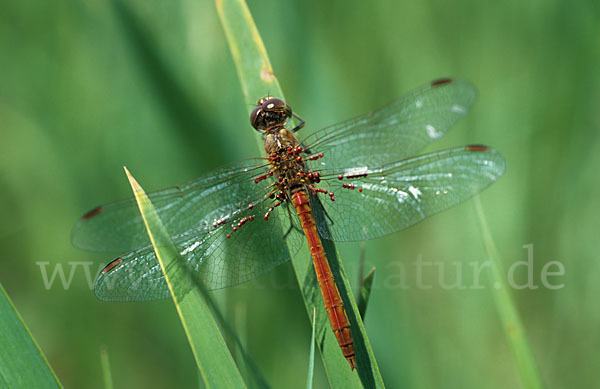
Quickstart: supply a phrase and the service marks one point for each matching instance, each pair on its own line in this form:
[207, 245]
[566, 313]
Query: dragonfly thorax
[284, 155]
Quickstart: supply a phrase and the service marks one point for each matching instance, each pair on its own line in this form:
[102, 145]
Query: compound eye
[254, 117]
[273, 104]
[262, 100]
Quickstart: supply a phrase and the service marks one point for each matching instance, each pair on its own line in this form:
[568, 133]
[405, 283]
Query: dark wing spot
[477, 148]
[111, 265]
[92, 213]
[441, 81]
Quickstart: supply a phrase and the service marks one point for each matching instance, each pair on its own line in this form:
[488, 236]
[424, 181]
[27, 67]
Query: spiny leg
[314, 197]
[299, 126]
[324, 210]
[292, 226]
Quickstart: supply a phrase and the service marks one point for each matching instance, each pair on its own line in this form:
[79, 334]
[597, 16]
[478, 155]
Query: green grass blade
[511, 322]
[212, 356]
[365, 293]
[335, 363]
[248, 51]
[254, 378]
[311, 358]
[22, 364]
[106, 373]
[257, 78]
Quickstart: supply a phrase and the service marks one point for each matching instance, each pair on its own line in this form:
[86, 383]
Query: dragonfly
[356, 180]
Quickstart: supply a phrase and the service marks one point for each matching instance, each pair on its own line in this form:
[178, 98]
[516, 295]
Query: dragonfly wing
[397, 131]
[118, 226]
[400, 194]
[218, 261]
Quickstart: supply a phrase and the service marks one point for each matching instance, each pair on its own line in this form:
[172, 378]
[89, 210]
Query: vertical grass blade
[311, 358]
[257, 78]
[365, 293]
[511, 322]
[106, 373]
[248, 51]
[22, 364]
[212, 356]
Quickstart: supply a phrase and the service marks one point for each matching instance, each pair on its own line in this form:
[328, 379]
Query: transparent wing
[118, 226]
[397, 131]
[374, 201]
[199, 216]
[219, 261]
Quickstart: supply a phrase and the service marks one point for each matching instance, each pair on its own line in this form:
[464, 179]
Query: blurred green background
[89, 86]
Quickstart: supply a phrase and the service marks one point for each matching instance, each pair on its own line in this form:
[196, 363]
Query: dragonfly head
[270, 111]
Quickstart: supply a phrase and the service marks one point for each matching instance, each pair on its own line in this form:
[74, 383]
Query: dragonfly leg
[292, 226]
[305, 149]
[314, 197]
[324, 210]
[289, 230]
[299, 126]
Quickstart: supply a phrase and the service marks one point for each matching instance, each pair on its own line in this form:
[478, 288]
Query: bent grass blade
[213, 358]
[22, 363]
[365, 292]
[257, 78]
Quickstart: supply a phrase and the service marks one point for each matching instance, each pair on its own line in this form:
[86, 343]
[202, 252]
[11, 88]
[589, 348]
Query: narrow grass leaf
[511, 322]
[212, 356]
[365, 293]
[257, 78]
[311, 357]
[106, 373]
[22, 364]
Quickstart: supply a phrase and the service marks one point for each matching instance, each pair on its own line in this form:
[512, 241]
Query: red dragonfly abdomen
[331, 295]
